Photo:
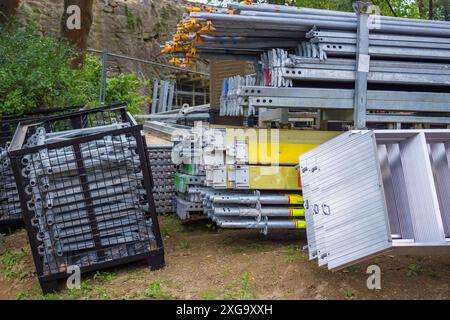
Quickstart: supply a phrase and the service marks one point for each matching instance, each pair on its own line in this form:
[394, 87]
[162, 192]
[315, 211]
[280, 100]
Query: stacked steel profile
[10, 213]
[85, 187]
[249, 176]
[163, 171]
[385, 69]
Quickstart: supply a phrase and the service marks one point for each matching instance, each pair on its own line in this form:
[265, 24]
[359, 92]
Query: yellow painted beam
[277, 146]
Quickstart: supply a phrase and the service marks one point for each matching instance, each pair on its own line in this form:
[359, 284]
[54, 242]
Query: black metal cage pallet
[10, 213]
[85, 189]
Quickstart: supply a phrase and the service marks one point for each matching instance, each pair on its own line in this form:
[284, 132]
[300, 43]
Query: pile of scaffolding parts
[385, 69]
[10, 213]
[84, 183]
[242, 178]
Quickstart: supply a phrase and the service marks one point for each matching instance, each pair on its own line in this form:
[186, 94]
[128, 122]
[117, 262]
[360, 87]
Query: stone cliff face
[131, 27]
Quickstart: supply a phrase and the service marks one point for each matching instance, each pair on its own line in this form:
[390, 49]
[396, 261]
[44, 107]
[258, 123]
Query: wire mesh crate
[10, 212]
[85, 188]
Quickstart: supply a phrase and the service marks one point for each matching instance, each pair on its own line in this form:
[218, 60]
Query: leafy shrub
[126, 88]
[35, 74]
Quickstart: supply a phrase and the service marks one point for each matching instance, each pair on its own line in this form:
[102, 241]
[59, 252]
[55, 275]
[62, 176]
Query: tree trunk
[76, 28]
[8, 8]
[430, 9]
[421, 6]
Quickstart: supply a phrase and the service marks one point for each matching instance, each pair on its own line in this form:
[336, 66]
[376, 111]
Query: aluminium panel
[350, 218]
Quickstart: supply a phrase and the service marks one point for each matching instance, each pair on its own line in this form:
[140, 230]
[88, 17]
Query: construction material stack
[163, 171]
[10, 212]
[86, 193]
[346, 66]
[190, 178]
[250, 177]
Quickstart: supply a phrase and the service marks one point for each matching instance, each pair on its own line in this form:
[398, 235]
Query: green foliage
[209, 296]
[293, 253]
[155, 291]
[34, 71]
[35, 74]
[348, 294]
[245, 293]
[10, 262]
[134, 22]
[105, 277]
[413, 270]
[125, 88]
[184, 245]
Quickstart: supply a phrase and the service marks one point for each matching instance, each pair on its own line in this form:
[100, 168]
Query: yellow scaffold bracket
[175, 61]
[192, 9]
[197, 39]
[187, 62]
[208, 27]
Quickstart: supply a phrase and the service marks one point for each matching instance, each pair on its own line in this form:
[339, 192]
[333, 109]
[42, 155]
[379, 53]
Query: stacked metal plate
[163, 170]
[372, 192]
[86, 193]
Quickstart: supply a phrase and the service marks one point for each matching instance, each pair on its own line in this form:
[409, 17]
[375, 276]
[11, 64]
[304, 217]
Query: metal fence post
[102, 97]
[155, 95]
[362, 64]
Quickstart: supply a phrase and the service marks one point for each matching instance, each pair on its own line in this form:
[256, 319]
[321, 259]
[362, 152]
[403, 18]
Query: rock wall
[131, 27]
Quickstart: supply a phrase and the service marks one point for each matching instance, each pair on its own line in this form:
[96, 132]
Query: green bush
[126, 88]
[35, 74]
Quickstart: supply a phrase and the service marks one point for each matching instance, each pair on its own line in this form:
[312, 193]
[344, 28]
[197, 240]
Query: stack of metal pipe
[240, 209]
[163, 170]
[245, 31]
[320, 53]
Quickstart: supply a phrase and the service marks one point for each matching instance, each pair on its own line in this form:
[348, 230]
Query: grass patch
[166, 232]
[293, 253]
[348, 294]
[104, 277]
[11, 262]
[413, 270]
[103, 294]
[244, 293]
[184, 245]
[209, 296]
[155, 291]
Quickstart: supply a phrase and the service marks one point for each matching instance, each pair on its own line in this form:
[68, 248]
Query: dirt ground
[204, 263]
